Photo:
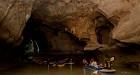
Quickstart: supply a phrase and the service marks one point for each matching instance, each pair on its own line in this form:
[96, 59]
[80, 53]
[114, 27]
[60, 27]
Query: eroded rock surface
[124, 14]
[99, 23]
[82, 18]
[77, 16]
[13, 17]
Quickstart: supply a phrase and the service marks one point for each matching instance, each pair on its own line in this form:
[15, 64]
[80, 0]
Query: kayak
[101, 69]
[93, 68]
[60, 65]
[108, 70]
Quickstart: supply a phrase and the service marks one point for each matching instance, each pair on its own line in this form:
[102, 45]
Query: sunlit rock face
[13, 17]
[84, 19]
[78, 17]
[97, 22]
[124, 14]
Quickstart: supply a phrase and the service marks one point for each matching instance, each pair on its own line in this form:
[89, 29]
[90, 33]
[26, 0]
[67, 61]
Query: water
[34, 69]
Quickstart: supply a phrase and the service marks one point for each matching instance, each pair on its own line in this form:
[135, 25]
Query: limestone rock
[14, 15]
[124, 14]
[77, 16]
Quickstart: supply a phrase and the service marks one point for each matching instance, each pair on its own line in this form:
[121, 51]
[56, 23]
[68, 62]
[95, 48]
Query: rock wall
[82, 18]
[13, 17]
[124, 15]
[77, 16]
[61, 42]
[100, 23]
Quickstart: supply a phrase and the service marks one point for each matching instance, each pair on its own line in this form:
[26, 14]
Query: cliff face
[97, 22]
[72, 25]
[13, 17]
[124, 15]
[78, 17]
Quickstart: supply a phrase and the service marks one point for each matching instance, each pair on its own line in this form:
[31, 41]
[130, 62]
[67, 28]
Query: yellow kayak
[60, 65]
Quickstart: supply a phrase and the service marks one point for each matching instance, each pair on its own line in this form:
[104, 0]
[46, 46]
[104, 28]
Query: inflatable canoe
[101, 69]
[93, 68]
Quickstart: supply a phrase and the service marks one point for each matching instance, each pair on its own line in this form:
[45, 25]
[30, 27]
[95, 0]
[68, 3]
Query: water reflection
[84, 71]
[33, 69]
[71, 67]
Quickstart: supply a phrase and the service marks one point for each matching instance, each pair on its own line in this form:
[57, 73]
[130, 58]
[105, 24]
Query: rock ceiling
[85, 19]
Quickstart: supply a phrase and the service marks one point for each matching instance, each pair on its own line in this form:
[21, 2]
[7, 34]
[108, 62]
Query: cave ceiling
[99, 23]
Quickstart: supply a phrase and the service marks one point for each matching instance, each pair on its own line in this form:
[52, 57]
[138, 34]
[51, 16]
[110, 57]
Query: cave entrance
[51, 38]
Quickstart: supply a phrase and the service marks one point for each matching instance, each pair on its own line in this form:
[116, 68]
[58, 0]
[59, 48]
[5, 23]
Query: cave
[51, 39]
[56, 39]
[36, 32]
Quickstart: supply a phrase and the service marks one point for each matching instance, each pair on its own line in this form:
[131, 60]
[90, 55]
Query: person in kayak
[85, 63]
[94, 65]
[108, 61]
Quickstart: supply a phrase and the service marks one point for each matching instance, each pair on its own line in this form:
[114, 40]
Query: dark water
[32, 69]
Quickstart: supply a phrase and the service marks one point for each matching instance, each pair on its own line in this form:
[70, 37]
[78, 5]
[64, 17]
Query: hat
[92, 59]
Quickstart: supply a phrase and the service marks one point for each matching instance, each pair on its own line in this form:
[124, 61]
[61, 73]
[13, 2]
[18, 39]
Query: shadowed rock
[14, 15]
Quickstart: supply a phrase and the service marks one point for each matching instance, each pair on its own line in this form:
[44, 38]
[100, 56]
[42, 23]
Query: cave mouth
[51, 39]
